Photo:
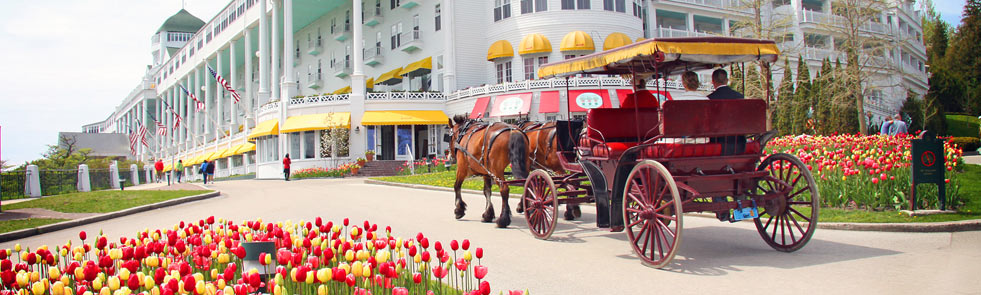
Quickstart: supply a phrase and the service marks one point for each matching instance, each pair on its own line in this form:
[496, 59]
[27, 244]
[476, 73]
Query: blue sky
[69, 63]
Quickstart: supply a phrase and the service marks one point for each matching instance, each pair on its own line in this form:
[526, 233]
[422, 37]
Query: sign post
[928, 166]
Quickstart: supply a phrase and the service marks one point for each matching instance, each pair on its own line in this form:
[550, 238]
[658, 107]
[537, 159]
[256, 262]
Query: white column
[287, 86]
[209, 87]
[691, 22]
[448, 16]
[233, 82]
[249, 95]
[277, 51]
[263, 53]
[219, 98]
[357, 139]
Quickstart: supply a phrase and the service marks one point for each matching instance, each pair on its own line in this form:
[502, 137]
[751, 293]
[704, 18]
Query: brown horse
[486, 149]
[544, 145]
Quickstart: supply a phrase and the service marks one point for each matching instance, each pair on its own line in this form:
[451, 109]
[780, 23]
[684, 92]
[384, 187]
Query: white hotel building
[390, 72]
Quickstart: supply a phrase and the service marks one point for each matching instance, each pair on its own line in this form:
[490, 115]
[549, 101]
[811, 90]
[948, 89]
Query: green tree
[962, 58]
[802, 97]
[783, 116]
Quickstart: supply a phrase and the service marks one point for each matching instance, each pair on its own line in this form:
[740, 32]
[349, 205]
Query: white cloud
[69, 63]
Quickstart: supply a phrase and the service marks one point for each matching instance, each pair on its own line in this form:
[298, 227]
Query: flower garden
[207, 258]
[340, 171]
[868, 172]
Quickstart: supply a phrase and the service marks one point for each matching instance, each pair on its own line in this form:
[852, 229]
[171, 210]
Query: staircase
[380, 168]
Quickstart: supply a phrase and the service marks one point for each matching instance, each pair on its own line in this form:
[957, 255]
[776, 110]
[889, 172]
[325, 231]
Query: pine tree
[784, 113]
[802, 97]
[962, 58]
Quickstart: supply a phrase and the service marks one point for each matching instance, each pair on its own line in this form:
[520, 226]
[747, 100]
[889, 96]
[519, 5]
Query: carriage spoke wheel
[541, 204]
[787, 222]
[652, 213]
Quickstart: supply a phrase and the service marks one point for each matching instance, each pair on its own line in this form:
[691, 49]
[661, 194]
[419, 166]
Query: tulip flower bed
[340, 171]
[206, 258]
[425, 166]
[868, 172]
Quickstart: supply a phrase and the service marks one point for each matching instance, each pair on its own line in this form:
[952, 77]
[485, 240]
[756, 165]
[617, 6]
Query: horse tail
[518, 152]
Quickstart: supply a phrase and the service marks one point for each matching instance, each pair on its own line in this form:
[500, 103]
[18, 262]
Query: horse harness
[550, 136]
[470, 128]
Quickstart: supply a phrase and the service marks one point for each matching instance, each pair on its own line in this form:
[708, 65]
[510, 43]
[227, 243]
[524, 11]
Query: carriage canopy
[665, 56]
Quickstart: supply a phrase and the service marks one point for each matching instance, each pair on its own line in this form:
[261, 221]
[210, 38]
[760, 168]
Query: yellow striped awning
[216, 155]
[534, 43]
[640, 39]
[346, 89]
[167, 167]
[390, 78]
[616, 40]
[370, 83]
[404, 118]
[500, 49]
[244, 148]
[264, 128]
[692, 53]
[228, 152]
[577, 41]
[421, 67]
[302, 123]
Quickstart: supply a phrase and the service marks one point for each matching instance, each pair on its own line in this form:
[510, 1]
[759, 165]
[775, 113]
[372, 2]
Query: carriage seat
[685, 150]
[616, 127]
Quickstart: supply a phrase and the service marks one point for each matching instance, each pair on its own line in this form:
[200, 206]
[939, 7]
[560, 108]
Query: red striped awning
[548, 102]
[583, 100]
[480, 108]
[511, 104]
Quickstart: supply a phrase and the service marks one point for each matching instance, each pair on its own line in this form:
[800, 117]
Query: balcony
[342, 69]
[316, 46]
[314, 83]
[672, 32]
[409, 4]
[373, 56]
[410, 41]
[374, 17]
[341, 33]
[405, 96]
[815, 53]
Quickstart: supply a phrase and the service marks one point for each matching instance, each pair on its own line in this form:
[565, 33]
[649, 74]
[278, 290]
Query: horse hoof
[576, 211]
[459, 213]
[488, 218]
[503, 222]
[520, 209]
[568, 215]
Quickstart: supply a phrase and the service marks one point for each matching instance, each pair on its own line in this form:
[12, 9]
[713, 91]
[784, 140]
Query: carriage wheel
[788, 222]
[652, 213]
[540, 204]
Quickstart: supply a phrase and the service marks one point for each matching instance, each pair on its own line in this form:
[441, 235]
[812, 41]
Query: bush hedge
[967, 143]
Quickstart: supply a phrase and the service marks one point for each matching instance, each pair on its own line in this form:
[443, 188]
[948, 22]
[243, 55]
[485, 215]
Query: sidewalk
[976, 159]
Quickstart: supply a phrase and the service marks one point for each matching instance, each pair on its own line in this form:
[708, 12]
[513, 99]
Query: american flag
[224, 84]
[177, 120]
[132, 143]
[161, 128]
[142, 133]
[198, 103]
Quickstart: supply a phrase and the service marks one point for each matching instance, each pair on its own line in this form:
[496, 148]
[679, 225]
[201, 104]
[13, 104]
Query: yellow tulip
[467, 255]
[35, 276]
[366, 272]
[66, 280]
[324, 275]
[417, 258]
[38, 288]
[349, 255]
[54, 273]
[23, 278]
[322, 290]
[223, 258]
[279, 279]
[104, 291]
[214, 273]
[199, 287]
[209, 289]
[79, 273]
[67, 290]
[228, 290]
[90, 293]
[25, 255]
[113, 283]
[17, 247]
[346, 267]
[58, 288]
[268, 259]
[155, 291]
[96, 284]
[148, 283]
[356, 269]
[309, 278]
[278, 290]
[221, 284]
[124, 274]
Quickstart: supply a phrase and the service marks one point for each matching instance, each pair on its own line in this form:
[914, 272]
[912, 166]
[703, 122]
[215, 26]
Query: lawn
[962, 126]
[970, 188]
[12, 225]
[101, 201]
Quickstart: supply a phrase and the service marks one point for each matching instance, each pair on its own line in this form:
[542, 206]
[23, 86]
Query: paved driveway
[715, 258]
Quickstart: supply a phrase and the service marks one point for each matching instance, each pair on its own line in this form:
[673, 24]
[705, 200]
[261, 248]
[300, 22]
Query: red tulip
[400, 291]
[239, 252]
[346, 222]
[417, 278]
[439, 246]
[479, 272]
[350, 277]
[255, 280]
[480, 253]
[439, 271]
[82, 235]
[425, 256]
[454, 245]
[133, 283]
[211, 220]
[461, 264]
[485, 288]
[466, 244]
[189, 284]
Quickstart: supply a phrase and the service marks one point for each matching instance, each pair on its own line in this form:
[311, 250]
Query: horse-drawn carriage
[644, 167]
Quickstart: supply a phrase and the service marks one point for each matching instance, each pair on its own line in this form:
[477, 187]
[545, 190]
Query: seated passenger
[641, 98]
[690, 80]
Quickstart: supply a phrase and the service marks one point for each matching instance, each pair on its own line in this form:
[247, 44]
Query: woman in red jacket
[286, 166]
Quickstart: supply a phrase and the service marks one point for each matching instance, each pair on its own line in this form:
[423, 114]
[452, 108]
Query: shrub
[967, 143]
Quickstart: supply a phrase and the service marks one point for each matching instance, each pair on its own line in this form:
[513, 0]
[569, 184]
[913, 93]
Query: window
[333, 59]
[621, 5]
[295, 145]
[583, 4]
[378, 42]
[438, 18]
[529, 68]
[502, 9]
[309, 149]
[526, 6]
[504, 72]
[347, 21]
[541, 5]
[608, 5]
[320, 70]
[333, 26]
[396, 3]
[568, 4]
[347, 56]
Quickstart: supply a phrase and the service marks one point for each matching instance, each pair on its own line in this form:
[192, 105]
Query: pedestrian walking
[898, 126]
[211, 171]
[286, 166]
[884, 130]
[159, 167]
[180, 170]
[204, 171]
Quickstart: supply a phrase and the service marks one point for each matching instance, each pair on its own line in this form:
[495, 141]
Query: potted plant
[361, 161]
[370, 155]
[354, 169]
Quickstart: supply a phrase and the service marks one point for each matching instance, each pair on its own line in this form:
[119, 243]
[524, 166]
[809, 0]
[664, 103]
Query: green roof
[182, 21]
